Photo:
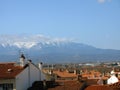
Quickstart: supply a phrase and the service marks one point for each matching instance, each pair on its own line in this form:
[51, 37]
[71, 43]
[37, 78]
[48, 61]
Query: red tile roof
[115, 86]
[65, 74]
[98, 87]
[68, 85]
[9, 70]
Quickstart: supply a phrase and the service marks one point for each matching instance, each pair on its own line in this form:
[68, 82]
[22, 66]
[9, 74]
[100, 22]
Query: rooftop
[64, 74]
[9, 70]
[68, 85]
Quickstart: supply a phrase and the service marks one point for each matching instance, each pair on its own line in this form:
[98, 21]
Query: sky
[92, 22]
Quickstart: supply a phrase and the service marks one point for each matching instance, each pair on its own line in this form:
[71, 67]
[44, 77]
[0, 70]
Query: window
[6, 86]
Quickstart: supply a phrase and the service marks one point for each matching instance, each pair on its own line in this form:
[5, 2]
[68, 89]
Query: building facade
[19, 77]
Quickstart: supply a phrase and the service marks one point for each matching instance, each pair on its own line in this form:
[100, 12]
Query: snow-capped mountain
[28, 41]
[52, 50]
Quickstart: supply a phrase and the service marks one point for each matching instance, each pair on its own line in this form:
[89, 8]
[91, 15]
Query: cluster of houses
[24, 75]
[72, 79]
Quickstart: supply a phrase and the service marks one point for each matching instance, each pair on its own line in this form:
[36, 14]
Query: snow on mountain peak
[28, 41]
[24, 44]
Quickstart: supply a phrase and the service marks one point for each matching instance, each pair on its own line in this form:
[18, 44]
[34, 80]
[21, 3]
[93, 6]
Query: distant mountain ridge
[41, 48]
[28, 41]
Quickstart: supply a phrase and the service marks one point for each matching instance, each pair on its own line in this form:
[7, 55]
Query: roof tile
[9, 70]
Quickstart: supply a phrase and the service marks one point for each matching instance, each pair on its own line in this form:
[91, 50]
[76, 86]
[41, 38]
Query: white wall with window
[7, 84]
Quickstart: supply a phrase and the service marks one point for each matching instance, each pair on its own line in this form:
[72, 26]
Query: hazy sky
[93, 22]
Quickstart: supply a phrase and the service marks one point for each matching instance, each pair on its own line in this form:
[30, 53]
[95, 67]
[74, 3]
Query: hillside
[39, 48]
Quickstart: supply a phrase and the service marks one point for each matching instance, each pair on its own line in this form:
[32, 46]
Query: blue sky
[93, 22]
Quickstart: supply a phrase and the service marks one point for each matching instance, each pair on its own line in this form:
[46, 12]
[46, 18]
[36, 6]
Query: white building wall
[34, 74]
[29, 75]
[22, 80]
[42, 76]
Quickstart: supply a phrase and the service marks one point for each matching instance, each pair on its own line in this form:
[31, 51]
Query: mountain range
[41, 48]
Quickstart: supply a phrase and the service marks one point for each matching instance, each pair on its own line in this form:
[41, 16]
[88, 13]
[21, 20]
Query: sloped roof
[65, 74]
[68, 85]
[98, 87]
[9, 70]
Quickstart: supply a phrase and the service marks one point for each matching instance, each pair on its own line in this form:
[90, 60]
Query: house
[19, 76]
[68, 85]
[65, 74]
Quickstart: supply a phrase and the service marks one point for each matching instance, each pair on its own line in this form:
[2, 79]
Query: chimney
[75, 71]
[52, 66]
[22, 60]
[51, 72]
[40, 65]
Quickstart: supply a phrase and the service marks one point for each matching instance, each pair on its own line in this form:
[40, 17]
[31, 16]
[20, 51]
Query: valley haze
[52, 50]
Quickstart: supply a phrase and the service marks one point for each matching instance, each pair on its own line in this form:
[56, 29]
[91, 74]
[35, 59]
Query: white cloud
[109, 0]
[103, 1]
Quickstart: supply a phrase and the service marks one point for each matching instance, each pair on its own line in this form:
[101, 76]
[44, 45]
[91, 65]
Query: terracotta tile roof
[115, 86]
[68, 85]
[9, 70]
[91, 74]
[65, 74]
[98, 87]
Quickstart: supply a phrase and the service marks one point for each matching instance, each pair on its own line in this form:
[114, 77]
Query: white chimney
[40, 65]
[75, 71]
[22, 60]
